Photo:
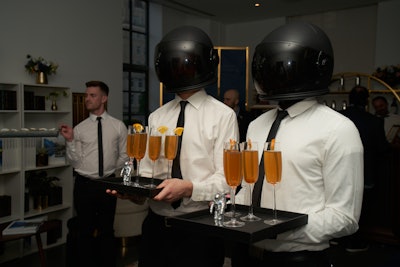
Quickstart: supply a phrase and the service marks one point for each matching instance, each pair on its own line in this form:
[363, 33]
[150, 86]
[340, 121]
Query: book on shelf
[23, 227]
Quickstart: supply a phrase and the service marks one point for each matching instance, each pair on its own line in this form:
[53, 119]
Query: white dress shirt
[208, 124]
[322, 174]
[82, 152]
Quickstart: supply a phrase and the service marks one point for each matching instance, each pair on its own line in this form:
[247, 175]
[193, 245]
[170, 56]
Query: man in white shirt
[322, 154]
[186, 62]
[95, 210]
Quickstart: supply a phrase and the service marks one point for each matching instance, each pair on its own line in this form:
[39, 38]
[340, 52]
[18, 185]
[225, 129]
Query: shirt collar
[93, 117]
[301, 106]
[195, 100]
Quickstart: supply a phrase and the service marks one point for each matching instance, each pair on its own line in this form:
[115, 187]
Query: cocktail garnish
[162, 129]
[138, 127]
[272, 146]
[178, 131]
[232, 143]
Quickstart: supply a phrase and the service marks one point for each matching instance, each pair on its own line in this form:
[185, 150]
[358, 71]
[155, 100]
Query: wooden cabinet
[26, 125]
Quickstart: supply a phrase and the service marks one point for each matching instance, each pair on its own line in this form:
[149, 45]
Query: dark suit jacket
[244, 118]
[372, 135]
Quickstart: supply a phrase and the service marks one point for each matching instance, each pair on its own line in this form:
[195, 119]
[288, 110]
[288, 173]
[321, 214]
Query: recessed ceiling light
[257, 4]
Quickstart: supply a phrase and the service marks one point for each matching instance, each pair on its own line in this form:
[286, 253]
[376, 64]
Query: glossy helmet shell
[293, 62]
[185, 59]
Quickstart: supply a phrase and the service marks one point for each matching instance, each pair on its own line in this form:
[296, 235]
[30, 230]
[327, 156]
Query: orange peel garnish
[249, 144]
[272, 145]
[138, 127]
[232, 143]
[162, 129]
[178, 131]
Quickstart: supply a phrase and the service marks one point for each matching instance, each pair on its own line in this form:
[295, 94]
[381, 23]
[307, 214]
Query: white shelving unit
[18, 159]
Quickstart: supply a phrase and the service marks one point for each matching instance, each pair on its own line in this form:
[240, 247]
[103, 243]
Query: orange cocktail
[139, 145]
[233, 165]
[232, 160]
[154, 147]
[129, 146]
[273, 166]
[171, 146]
[250, 166]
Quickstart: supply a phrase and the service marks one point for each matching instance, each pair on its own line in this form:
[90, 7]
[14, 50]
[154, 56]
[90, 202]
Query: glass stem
[233, 191]
[275, 215]
[251, 199]
[152, 173]
[169, 169]
[138, 172]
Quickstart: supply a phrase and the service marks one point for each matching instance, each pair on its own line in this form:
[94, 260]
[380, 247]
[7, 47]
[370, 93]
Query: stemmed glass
[250, 173]
[154, 150]
[170, 149]
[233, 176]
[139, 147]
[273, 171]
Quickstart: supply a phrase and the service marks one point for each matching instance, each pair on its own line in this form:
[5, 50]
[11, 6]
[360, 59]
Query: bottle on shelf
[344, 105]
[333, 104]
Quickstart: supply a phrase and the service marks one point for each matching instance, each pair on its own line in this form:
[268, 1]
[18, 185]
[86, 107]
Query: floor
[378, 255]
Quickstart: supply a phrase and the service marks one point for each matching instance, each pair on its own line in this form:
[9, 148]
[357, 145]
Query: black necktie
[271, 135]
[176, 168]
[100, 146]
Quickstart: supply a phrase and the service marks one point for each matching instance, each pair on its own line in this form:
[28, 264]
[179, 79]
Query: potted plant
[53, 96]
[42, 157]
[41, 68]
[40, 186]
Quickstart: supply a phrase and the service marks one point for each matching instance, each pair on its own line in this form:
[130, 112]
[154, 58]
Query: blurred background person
[232, 99]
[376, 149]
[381, 107]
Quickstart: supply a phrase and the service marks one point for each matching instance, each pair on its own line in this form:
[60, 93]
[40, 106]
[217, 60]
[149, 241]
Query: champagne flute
[273, 171]
[154, 150]
[250, 173]
[170, 149]
[233, 176]
[139, 147]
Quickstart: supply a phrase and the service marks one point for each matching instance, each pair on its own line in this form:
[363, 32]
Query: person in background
[94, 209]
[376, 149]
[322, 154]
[231, 99]
[186, 62]
[381, 107]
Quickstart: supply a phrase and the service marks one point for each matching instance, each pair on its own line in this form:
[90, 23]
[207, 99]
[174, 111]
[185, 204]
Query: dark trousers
[162, 245]
[95, 211]
[243, 256]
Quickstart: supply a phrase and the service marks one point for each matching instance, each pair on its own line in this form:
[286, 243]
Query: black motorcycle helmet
[185, 59]
[293, 62]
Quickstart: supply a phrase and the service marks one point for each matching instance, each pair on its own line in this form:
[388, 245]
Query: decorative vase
[41, 78]
[54, 105]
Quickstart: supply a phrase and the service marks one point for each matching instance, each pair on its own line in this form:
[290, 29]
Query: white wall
[387, 36]
[83, 37]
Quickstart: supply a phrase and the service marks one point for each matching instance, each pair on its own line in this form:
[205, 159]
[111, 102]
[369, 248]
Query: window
[135, 66]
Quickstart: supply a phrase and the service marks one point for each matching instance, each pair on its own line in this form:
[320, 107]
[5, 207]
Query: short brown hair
[103, 87]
